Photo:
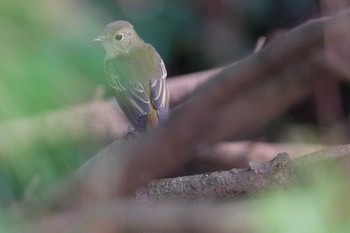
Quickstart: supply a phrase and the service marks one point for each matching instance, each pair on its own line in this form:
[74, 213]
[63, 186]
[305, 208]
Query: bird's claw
[130, 134]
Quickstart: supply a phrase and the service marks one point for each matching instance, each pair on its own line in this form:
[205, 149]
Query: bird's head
[119, 38]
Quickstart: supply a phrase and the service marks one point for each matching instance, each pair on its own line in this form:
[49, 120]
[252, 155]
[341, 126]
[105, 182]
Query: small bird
[136, 73]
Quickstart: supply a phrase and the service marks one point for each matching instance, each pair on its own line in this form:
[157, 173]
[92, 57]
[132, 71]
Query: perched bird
[136, 73]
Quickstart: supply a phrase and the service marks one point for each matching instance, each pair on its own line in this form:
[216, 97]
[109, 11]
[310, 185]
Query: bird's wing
[160, 96]
[159, 90]
[131, 97]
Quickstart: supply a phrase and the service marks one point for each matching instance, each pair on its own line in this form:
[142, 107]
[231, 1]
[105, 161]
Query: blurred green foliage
[48, 62]
[317, 202]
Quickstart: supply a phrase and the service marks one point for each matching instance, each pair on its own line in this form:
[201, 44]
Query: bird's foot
[130, 134]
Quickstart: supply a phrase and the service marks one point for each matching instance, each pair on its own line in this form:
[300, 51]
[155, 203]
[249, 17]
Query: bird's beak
[99, 39]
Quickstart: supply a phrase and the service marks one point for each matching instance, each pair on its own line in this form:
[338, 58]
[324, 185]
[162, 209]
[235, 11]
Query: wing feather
[160, 91]
[134, 109]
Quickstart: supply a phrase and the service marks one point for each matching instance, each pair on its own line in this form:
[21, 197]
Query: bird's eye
[118, 37]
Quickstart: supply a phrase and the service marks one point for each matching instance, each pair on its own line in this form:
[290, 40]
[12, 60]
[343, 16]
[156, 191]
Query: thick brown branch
[217, 185]
[94, 122]
[241, 182]
[182, 87]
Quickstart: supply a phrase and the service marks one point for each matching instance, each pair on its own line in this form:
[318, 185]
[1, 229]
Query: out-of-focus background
[49, 62]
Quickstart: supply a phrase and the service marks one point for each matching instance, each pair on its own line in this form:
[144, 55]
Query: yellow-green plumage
[136, 73]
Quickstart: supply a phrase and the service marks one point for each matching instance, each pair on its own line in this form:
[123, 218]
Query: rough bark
[220, 185]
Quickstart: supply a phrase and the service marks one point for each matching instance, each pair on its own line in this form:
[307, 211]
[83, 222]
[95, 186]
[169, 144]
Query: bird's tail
[152, 120]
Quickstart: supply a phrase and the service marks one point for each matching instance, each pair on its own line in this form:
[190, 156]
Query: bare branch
[219, 185]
